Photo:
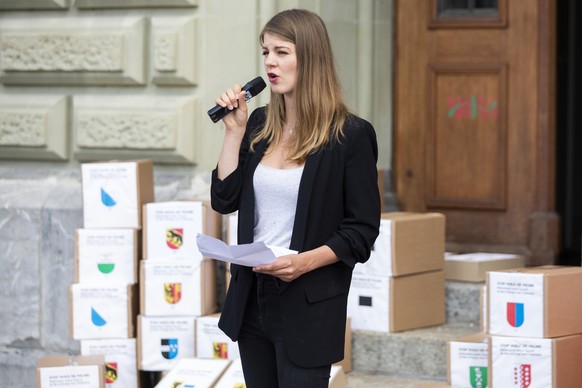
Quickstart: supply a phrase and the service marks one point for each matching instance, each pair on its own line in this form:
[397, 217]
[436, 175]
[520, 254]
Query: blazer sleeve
[225, 194]
[357, 232]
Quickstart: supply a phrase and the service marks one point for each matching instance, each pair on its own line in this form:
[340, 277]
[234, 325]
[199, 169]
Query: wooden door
[474, 130]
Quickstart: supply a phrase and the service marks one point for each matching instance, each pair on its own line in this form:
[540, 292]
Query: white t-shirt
[276, 192]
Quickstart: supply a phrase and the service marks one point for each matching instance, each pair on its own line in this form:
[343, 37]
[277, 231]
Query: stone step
[419, 353]
[367, 380]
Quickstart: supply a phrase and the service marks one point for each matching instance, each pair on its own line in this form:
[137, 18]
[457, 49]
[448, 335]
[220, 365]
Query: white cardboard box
[114, 193]
[163, 341]
[211, 342]
[170, 229]
[120, 360]
[106, 311]
[177, 287]
[106, 256]
[194, 372]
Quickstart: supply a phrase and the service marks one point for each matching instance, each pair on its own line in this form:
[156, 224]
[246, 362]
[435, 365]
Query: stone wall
[88, 80]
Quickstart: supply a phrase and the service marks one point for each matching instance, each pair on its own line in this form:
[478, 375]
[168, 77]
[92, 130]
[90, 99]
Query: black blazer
[338, 205]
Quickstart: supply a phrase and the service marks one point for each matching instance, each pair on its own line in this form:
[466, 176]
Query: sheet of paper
[250, 255]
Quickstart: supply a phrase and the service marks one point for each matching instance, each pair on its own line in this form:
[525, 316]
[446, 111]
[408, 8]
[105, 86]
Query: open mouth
[272, 77]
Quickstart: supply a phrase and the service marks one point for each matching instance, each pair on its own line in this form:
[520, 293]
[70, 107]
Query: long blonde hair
[320, 110]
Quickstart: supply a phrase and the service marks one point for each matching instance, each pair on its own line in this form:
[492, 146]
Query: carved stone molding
[83, 4]
[6, 5]
[124, 127]
[106, 51]
[34, 127]
[175, 50]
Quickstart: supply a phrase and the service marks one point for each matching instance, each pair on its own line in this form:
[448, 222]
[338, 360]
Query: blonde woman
[301, 172]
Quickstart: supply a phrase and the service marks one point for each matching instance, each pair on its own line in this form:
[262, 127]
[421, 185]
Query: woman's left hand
[286, 268]
[290, 267]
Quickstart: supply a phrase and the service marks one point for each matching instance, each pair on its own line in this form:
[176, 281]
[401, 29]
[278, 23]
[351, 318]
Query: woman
[302, 174]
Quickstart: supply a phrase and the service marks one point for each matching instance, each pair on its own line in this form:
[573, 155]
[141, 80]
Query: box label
[211, 342]
[106, 255]
[468, 364]
[368, 303]
[99, 312]
[172, 228]
[380, 261]
[164, 341]
[172, 288]
[110, 197]
[120, 360]
[516, 304]
[80, 376]
[521, 362]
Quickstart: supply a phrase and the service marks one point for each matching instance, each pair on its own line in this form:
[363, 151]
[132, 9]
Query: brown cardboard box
[539, 362]
[537, 302]
[210, 224]
[392, 304]
[61, 371]
[473, 267]
[198, 292]
[108, 244]
[337, 378]
[408, 243]
[467, 360]
[103, 178]
[85, 315]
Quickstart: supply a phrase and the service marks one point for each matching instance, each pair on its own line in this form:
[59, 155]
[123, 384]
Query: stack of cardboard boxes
[177, 284]
[402, 285]
[533, 332]
[104, 296]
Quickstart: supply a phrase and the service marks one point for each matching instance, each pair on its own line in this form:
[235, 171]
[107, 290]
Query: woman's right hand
[235, 123]
[234, 99]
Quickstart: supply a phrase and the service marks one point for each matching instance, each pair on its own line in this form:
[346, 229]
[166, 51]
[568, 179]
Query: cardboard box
[483, 307]
[106, 311]
[114, 193]
[163, 341]
[194, 372]
[535, 362]
[106, 256]
[211, 342]
[70, 371]
[178, 287]
[392, 304]
[538, 302]
[408, 243]
[473, 267]
[468, 358]
[170, 228]
[233, 376]
[120, 360]
[337, 378]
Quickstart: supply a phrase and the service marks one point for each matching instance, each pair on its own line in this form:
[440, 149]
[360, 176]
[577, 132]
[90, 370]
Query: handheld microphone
[251, 89]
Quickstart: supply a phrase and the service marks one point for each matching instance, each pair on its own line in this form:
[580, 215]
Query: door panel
[473, 116]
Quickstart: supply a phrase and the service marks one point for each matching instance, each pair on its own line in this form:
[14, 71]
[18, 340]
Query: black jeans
[262, 349]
